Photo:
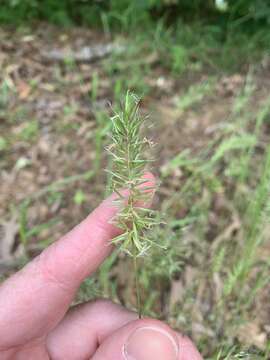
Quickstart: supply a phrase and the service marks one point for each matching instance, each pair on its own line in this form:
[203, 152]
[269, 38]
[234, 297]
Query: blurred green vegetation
[222, 33]
[252, 13]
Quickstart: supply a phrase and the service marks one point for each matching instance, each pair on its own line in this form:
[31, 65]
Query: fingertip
[144, 339]
[140, 340]
[187, 349]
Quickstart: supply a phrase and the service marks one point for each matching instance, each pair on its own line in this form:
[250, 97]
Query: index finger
[37, 297]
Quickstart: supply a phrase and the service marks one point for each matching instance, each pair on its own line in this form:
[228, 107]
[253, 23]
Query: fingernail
[150, 343]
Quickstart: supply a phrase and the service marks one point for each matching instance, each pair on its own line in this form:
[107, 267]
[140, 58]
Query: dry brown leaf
[23, 89]
[251, 334]
[9, 230]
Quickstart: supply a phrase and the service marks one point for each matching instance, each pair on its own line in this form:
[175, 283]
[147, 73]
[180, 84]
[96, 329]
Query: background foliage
[250, 13]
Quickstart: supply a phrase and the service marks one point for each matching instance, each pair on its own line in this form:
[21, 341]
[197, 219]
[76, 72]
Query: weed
[102, 129]
[94, 87]
[225, 169]
[3, 144]
[4, 95]
[128, 72]
[26, 232]
[70, 110]
[179, 58]
[234, 353]
[30, 131]
[89, 290]
[127, 172]
[195, 94]
[255, 216]
[54, 196]
[79, 197]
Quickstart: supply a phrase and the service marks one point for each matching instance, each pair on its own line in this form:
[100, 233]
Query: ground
[54, 121]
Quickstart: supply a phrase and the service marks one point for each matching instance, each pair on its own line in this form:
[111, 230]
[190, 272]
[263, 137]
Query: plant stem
[135, 265]
[138, 290]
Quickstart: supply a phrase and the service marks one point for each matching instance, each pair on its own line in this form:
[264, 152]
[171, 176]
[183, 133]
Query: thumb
[146, 339]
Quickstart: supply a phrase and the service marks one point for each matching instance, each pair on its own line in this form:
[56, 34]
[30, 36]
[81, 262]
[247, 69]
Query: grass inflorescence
[128, 170]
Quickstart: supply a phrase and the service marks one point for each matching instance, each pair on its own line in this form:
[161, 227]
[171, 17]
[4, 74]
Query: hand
[35, 322]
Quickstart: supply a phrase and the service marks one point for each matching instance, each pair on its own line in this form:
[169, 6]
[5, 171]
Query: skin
[36, 321]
